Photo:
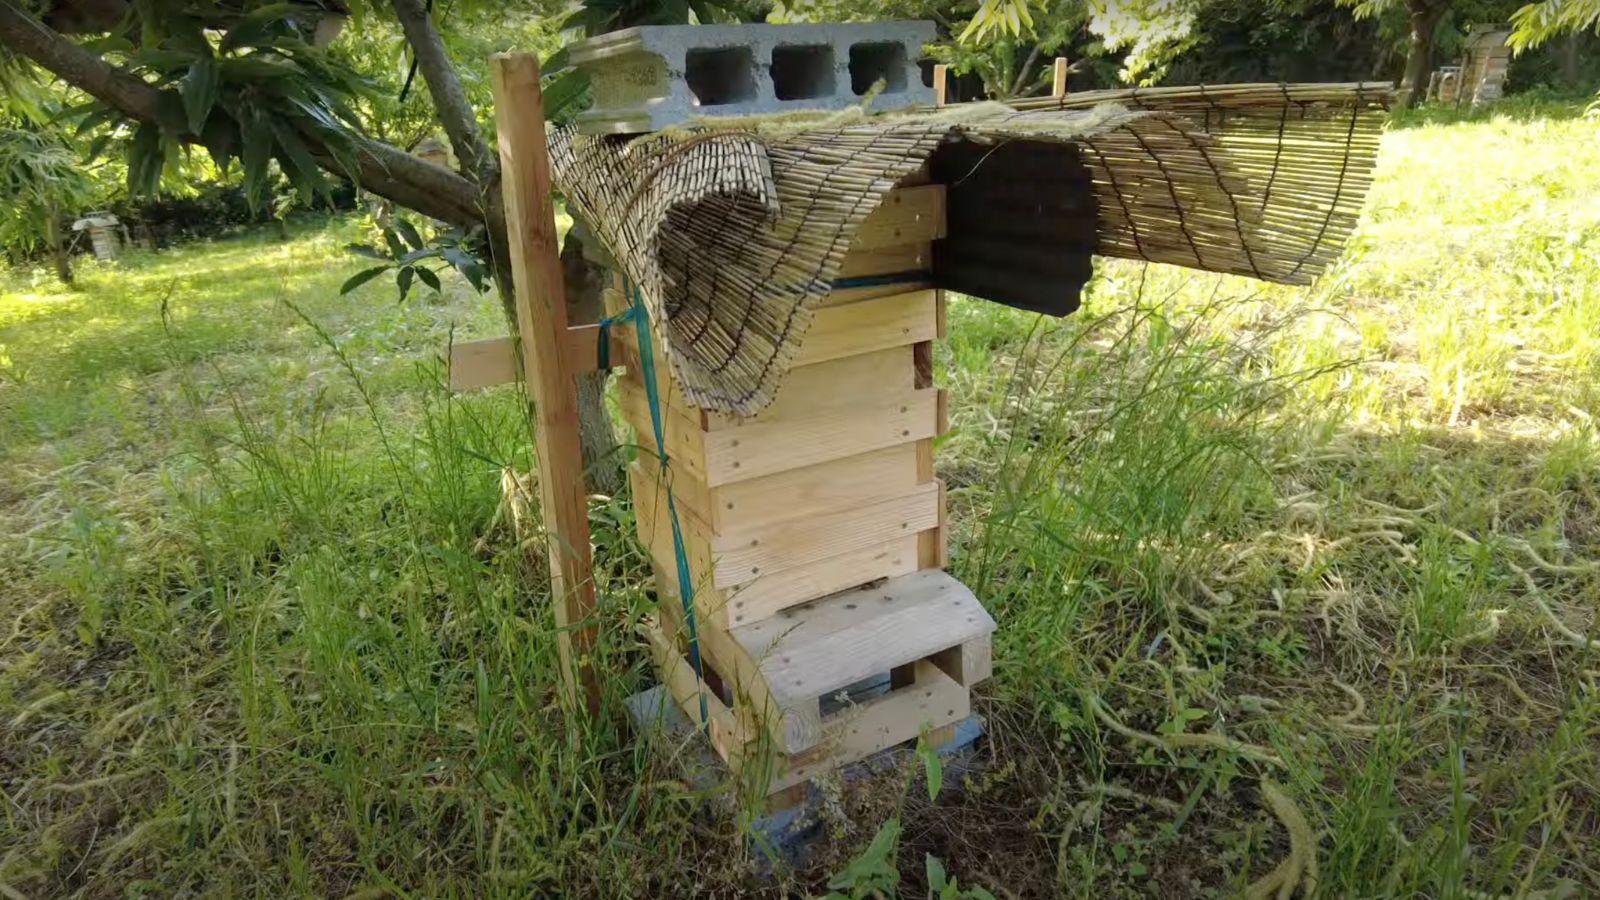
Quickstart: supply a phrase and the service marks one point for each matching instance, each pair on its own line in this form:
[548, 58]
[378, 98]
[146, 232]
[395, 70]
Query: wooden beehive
[815, 529]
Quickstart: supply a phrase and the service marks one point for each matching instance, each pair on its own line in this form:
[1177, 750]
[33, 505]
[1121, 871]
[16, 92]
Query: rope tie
[639, 316]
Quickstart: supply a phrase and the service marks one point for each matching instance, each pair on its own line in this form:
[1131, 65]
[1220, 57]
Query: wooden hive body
[814, 531]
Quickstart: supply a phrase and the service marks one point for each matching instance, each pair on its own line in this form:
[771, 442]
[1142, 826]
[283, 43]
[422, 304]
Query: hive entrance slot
[718, 77]
[871, 62]
[802, 72]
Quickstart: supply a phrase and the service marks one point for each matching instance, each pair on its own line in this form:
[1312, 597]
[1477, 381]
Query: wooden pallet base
[878, 678]
[877, 718]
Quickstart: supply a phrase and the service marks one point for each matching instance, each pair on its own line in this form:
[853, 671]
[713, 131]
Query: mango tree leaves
[199, 91]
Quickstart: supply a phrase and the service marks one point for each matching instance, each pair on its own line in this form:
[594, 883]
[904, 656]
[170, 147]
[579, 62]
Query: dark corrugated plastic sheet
[1021, 223]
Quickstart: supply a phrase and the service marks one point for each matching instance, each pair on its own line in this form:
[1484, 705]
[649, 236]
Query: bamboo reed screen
[734, 234]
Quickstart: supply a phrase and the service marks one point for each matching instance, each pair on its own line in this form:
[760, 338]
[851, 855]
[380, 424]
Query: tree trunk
[58, 246]
[585, 282]
[1425, 15]
[602, 464]
[1572, 59]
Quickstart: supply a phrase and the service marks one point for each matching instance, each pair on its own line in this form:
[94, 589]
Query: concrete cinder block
[651, 77]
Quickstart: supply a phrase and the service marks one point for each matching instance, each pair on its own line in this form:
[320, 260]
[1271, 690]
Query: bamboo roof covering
[734, 232]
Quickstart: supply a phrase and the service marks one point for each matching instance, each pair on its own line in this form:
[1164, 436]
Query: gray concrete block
[650, 77]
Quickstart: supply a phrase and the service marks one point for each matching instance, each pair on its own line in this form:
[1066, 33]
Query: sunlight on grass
[1248, 546]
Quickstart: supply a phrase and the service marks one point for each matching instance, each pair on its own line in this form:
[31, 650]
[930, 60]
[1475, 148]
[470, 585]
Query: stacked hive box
[815, 530]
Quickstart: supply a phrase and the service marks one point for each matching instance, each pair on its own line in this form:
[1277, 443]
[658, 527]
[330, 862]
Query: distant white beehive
[104, 233]
[1486, 63]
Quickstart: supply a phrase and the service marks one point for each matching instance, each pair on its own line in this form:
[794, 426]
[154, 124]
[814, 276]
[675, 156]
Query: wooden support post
[1058, 87]
[542, 324]
[941, 75]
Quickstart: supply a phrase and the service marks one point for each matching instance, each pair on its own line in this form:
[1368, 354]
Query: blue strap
[647, 370]
[602, 350]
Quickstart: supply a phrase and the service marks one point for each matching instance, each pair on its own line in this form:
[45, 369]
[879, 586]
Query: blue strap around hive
[640, 317]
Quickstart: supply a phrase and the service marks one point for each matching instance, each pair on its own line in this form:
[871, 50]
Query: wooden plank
[941, 82]
[969, 664]
[907, 215]
[832, 386]
[932, 701]
[491, 362]
[654, 526]
[1058, 81]
[843, 296]
[685, 439]
[774, 592]
[690, 492]
[816, 649]
[887, 261]
[481, 364]
[728, 737]
[817, 489]
[542, 326]
[789, 727]
[742, 556]
[873, 324]
[870, 323]
[763, 448]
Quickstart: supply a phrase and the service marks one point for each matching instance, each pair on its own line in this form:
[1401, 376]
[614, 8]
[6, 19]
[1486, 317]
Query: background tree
[43, 180]
[253, 84]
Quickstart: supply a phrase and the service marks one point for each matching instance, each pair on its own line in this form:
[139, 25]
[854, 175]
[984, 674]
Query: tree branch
[1022, 76]
[388, 171]
[444, 86]
[112, 86]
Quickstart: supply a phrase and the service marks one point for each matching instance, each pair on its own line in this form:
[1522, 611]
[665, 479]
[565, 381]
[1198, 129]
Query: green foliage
[43, 180]
[407, 254]
[1149, 33]
[996, 17]
[248, 93]
[1536, 23]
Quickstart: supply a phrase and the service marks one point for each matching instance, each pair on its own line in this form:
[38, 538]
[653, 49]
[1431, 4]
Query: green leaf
[159, 59]
[220, 135]
[563, 92]
[430, 279]
[396, 248]
[199, 90]
[259, 24]
[556, 61]
[257, 150]
[932, 765]
[97, 147]
[144, 160]
[409, 232]
[302, 167]
[874, 869]
[936, 874]
[360, 278]
[403, 280]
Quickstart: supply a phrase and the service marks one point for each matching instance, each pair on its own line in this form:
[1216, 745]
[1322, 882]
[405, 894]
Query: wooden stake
[542, 323]
[1059, 87]
[941, 74]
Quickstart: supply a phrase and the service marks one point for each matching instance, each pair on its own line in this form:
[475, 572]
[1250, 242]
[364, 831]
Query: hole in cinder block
[718, 77]
[870, 62]
[802, 72]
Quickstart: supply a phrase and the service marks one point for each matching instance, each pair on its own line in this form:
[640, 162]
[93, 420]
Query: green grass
[258, 637]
